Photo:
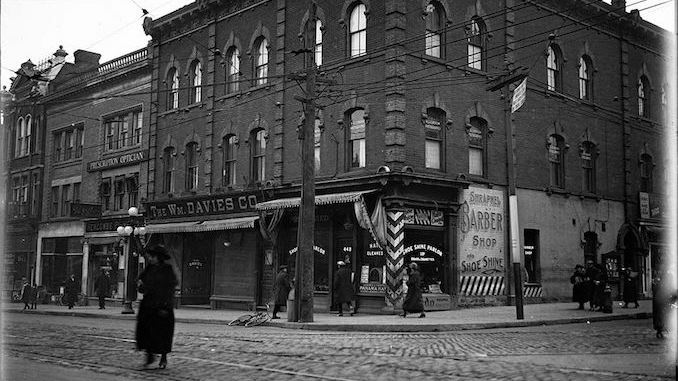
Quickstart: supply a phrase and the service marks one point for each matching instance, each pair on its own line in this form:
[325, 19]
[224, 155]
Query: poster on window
[482, 224]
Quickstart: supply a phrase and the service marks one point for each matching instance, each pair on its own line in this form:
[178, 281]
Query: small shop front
[60, 255]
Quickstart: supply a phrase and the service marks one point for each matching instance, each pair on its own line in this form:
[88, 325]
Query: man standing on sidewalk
[102, 286]
[282, 289]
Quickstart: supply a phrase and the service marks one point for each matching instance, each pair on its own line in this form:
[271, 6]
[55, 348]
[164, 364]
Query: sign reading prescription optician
[127, 158]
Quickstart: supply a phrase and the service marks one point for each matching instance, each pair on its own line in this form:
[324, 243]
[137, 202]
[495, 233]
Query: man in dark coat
[71, 291]
[26, 294]
[590, 274]
[413, 302]
[102, 286]
[579, 290]
[282, 290]
[343, 288]
[155, 321]
[630, 287]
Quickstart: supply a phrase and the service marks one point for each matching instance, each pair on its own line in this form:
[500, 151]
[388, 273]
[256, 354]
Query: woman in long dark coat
[413, 302]
[630, 287]
[343, 288]
[580, 292]
[71, 291]
[282, 290]
[155, 321]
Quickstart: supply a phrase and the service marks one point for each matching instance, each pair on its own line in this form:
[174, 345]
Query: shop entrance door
[197, 269]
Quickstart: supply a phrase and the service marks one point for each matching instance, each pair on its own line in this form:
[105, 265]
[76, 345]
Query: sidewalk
[463, 319]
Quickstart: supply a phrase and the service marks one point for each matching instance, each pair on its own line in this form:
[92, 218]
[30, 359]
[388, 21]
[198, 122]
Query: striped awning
[203, 226]
[324, 199]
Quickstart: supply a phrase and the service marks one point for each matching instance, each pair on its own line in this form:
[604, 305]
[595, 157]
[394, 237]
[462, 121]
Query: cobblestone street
[617, 350]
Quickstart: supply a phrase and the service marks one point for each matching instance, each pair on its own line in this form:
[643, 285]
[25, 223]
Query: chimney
[85, 60]
[619, 5]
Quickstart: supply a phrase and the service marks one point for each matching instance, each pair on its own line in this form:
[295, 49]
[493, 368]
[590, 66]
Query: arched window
[192, 166]
[477, 142]
[646, 169]
[261, 61]
[318, 51]
[258, 155]
[357, 31]
[585, 78]
[317, 133]
[556, 154]
[476, 44]
[356, 138]
[26, 146]
[229, 148]
[433, 39]
[173, 89]
[196, 81]
[590, 246]
[434, 132]
[168, 155]
[643, 97]
[588, 164]
[232, 70]
[19, 136]
[553, 68]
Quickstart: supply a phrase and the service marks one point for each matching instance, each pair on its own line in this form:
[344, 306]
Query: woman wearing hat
[343, 288]
[282, 289]
[413, 302]
[155, 321]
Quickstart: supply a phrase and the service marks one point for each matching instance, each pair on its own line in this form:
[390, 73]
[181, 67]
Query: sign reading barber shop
[482, 224]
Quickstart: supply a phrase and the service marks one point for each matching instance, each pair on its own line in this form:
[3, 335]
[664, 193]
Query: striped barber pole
[476, 285]
[532, 291]
[395, 259]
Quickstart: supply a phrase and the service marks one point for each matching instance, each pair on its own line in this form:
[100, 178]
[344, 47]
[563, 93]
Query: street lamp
[133, 234]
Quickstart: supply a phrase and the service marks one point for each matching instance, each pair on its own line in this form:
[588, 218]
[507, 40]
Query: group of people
[591, 284]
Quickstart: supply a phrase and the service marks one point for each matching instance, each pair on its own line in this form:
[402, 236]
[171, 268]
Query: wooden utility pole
[306, 231]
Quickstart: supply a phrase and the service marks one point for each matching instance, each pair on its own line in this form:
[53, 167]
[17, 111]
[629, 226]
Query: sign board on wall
[482, 224]
[127, 158]
[202, 206]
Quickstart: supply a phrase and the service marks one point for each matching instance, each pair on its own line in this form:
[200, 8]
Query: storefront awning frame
[324, 199]
[203, 226]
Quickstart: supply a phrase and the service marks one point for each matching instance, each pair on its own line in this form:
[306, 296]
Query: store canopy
[325, 199]
[203, 226]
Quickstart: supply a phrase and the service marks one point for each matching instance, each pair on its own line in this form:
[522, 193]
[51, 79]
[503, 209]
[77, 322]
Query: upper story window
[434, 138]
[168, 162]
[477, 144]
[588, 164]
[192, 166]
[258, 155]
[23, 136]
[228, 145]
[233, 70]
[196, 82]
[261, 61]
[434, 35]
[35, 193]
[132, 184]
[643, 97]
[173, 89]
[105, 193]
[476, 44]
[357, 31]
[556, 155]
[68, 143]
[318, 50]
[356, 138]
[585, 78]
[123, 130]
[553, 68]
[646, 169]
[20, 196]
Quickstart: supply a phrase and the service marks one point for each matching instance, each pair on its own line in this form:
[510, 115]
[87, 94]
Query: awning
[325, 199]
[203, 226]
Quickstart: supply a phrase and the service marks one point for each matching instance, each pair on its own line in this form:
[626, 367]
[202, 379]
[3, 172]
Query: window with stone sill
[646, 169]
[232, 70]
[172, 83]
[123, 130]
[228, 147]
[357, 31]
[261, 61]
[585, 78]
[556, 157]
[168, 164]
[196, 82]
[192, 166]
[588, 163]
[258, 140]
[553, 68]
[356, 138]
[434, 31]
[476, 44]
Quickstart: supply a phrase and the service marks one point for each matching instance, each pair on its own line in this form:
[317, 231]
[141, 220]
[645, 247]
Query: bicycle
[258, 317]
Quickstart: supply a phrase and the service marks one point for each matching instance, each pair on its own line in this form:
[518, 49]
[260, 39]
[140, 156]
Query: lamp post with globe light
[133, 234]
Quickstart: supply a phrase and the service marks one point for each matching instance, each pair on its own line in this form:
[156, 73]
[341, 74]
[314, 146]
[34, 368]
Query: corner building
[412, 158]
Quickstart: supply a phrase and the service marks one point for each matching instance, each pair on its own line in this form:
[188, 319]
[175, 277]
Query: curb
[368, 327]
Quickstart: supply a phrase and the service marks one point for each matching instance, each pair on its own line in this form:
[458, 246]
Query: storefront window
[372, 267]
[105, 257]
[61, 257]
[426, 249]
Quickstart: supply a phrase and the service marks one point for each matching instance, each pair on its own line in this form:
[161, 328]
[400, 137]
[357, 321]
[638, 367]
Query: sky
[35, 28]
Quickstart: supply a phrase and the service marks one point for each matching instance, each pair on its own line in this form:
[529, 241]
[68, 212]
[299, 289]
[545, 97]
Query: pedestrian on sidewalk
[630, 287]
[71, 291]
[413, 302]
[579, 290]
[26, 293]
[155, 320]
[343, 288]
[282, 290]
[102, 286]
[600, 284]
[590, 274]
[34, 296]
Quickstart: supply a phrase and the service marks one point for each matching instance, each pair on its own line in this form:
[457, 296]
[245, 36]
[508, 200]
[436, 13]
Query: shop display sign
[437, 302]
[202, 206]
[424, 217]
[481, 231]
[372, 288]
[127, 158]
[85, 210]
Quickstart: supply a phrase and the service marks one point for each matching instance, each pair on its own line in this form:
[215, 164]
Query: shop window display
[426, 249]
[372, 267]
[105, 257]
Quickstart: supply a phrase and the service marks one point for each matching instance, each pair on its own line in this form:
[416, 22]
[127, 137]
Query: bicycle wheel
[260, 318]
[241, 320]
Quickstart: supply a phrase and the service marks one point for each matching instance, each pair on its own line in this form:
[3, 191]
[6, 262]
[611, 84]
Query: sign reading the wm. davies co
[201, 206]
